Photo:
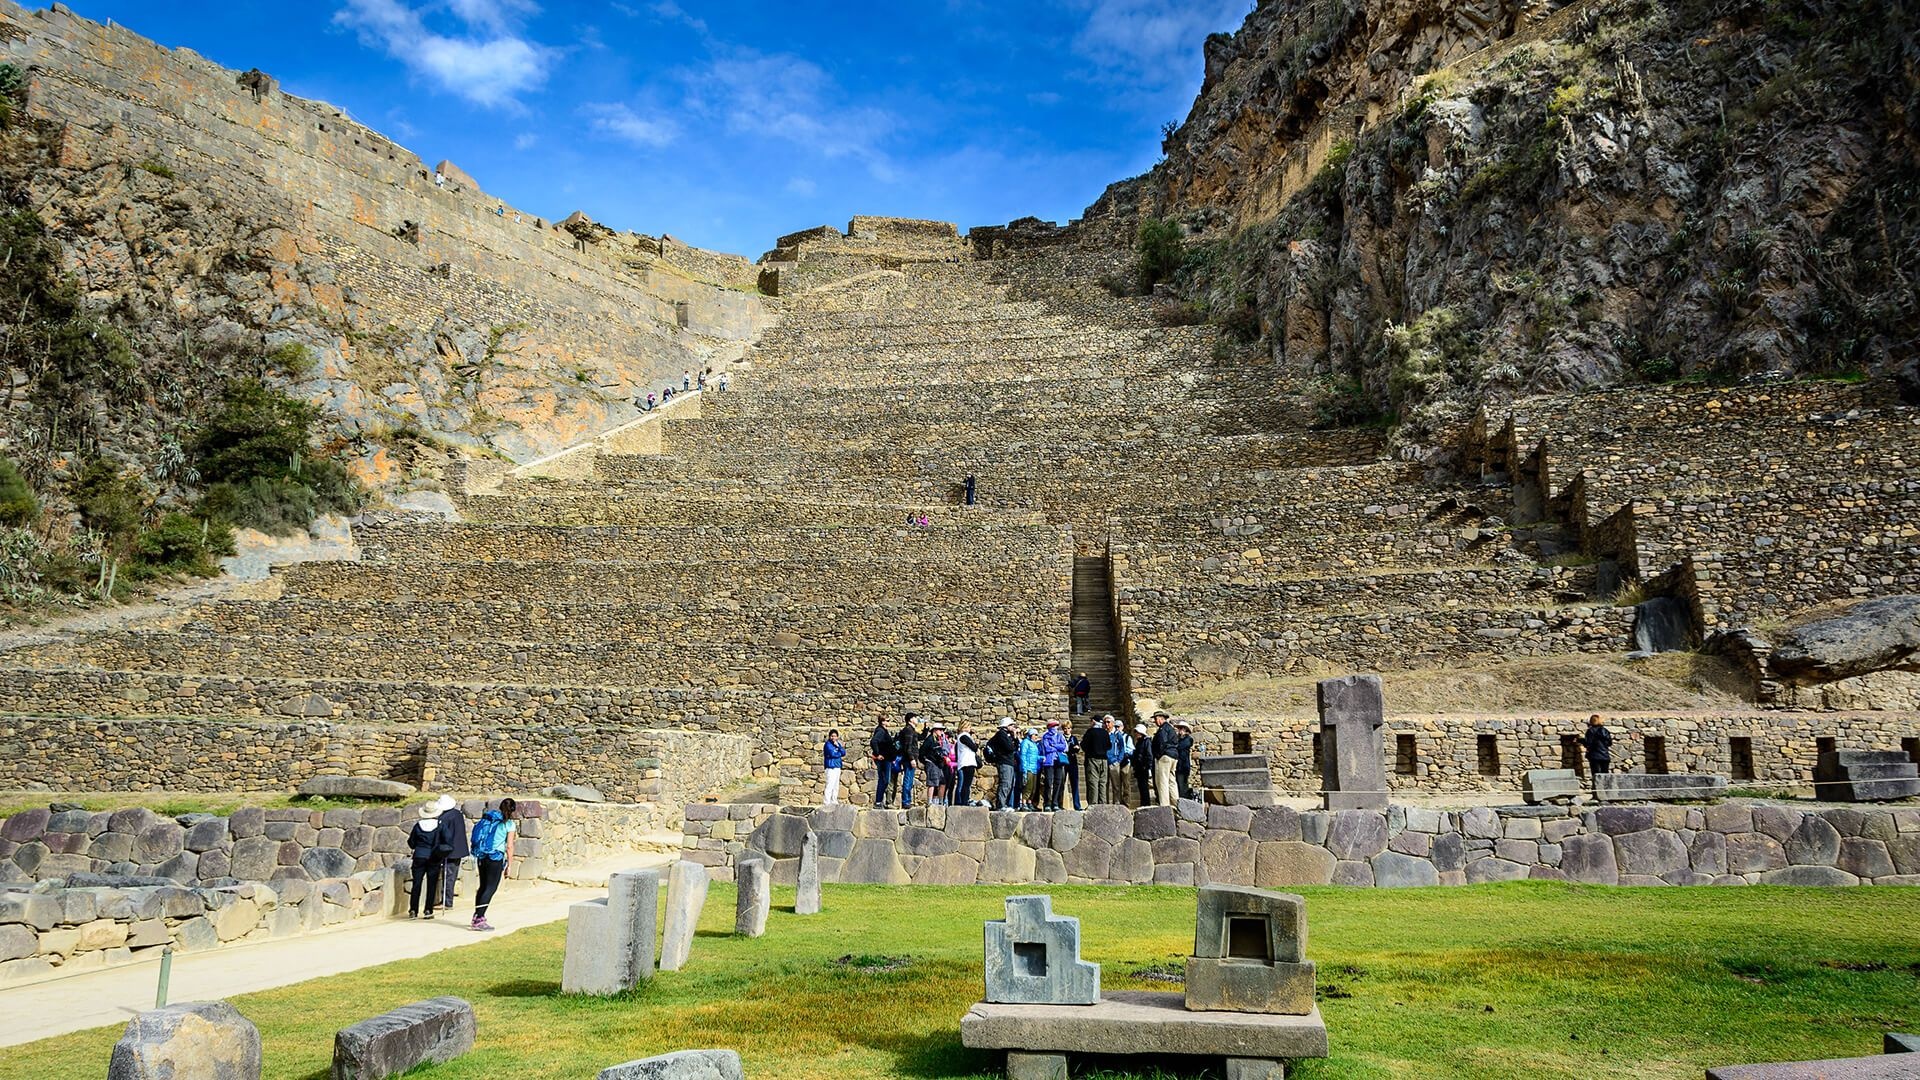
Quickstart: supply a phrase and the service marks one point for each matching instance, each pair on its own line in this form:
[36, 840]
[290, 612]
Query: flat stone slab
[1657, 787]
[355, 787]
[435, 1030]
[1539, 785]
[1142, 1022]
[1884, 1067]
[680, 1065]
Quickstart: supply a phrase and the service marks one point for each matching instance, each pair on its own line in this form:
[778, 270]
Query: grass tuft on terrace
[1523, 980]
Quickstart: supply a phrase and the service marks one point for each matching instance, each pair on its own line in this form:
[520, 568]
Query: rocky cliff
[227, 229]
[1411, 205]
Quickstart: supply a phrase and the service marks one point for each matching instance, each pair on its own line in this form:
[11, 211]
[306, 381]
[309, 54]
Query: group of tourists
[440, 841]
[1035, 768]
[689, 381]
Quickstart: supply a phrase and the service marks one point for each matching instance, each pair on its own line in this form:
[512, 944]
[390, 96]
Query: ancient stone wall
[1731, 843]
[432, 301]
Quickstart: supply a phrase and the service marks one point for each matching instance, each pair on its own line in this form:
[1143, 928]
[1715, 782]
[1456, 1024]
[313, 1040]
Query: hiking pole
[166, 972]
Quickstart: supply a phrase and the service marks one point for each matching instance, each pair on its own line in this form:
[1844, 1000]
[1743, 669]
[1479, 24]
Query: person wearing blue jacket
[1053, 763]
[832, 754]
[1030, 768]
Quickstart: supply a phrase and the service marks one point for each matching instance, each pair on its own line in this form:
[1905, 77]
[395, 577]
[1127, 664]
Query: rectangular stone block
[754, 898]
[1540, 785]
[1249, 986]
[590, 967]
[433, 1031]
[1657, 787]
[686, 896]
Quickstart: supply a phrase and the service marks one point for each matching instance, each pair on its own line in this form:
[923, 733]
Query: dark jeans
[964, 795]
[1143, 776]
[905, 769]
[426, 884]
[449, 873]
[881, 780]
[1007, 786]
[491, 871]
[1054, 777]
[1598, 765]
[1079, 705]
[1073, 783]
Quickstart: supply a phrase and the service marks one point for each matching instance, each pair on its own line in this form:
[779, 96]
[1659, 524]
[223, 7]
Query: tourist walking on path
[906, 746]
[832, 754]
[1164, 740]
[1030, 768]
[425, 842]
[492, 854]
[1093, 747]
[1080, 688]
[1119, 749]
[880, 748]
[1143, 764]
[1599, 743]
[1003, 750]
[966, 757]
[1183, 760]
[453, 829]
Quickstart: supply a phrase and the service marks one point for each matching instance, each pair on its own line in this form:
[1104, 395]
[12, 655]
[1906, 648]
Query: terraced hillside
[799, 555]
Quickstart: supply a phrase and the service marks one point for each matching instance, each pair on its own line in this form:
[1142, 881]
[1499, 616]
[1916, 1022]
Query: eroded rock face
[1873, 635]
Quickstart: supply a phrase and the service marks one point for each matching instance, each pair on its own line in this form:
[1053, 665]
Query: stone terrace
[760, 569]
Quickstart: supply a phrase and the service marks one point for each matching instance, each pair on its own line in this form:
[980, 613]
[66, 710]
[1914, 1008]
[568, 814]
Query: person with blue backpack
[493, 852]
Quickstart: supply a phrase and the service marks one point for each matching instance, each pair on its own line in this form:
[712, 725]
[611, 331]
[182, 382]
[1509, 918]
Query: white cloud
[618, 121]
[526, 140]
[487, 63]
[802, 187]
[667, 9]
[1155, 42]
[782, 96]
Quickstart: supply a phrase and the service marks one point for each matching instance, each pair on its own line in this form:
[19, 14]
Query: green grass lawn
[1522, 980]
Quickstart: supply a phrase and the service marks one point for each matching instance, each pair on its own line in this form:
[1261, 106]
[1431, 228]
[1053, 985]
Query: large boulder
[207, 1040]
[1869, 636]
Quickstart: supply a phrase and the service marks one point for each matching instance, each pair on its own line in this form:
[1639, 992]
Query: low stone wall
[48, 931]
[222, 753]
[579, 834]
[1732, 843]
[48, 845]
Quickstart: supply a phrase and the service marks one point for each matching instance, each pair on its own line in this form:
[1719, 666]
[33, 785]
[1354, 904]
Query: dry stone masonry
[1736, 842]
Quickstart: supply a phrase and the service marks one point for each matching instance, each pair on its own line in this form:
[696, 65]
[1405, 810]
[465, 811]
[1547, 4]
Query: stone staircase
[1095, 650]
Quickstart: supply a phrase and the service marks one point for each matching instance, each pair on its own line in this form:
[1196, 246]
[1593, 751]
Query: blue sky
[729, 123]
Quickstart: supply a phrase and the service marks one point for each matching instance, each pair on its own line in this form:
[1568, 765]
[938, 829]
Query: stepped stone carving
[1033, 957]
[610, 941]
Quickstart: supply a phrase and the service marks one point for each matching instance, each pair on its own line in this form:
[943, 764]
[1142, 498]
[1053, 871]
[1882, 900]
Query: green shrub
[17, 503]
[1158, 247]
[292, 359]
[110, 502]
[180, 544]
[254, 431]
[157, 168]
[63, 572]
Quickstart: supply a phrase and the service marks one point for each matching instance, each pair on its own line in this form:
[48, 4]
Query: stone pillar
[806, 898]
[1352, 761]
[753, 877]
[686, 895]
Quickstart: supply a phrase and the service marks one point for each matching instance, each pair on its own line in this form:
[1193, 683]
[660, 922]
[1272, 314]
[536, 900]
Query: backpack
[490, 836]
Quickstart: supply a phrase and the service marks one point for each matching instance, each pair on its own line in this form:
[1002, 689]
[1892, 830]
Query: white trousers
[833, 788]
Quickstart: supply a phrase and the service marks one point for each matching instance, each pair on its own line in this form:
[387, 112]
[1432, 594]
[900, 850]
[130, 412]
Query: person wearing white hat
[1053, 764]
[1143, 764]
[453, 830]
[1003, 753]
[1165, 738]
[424, 840]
